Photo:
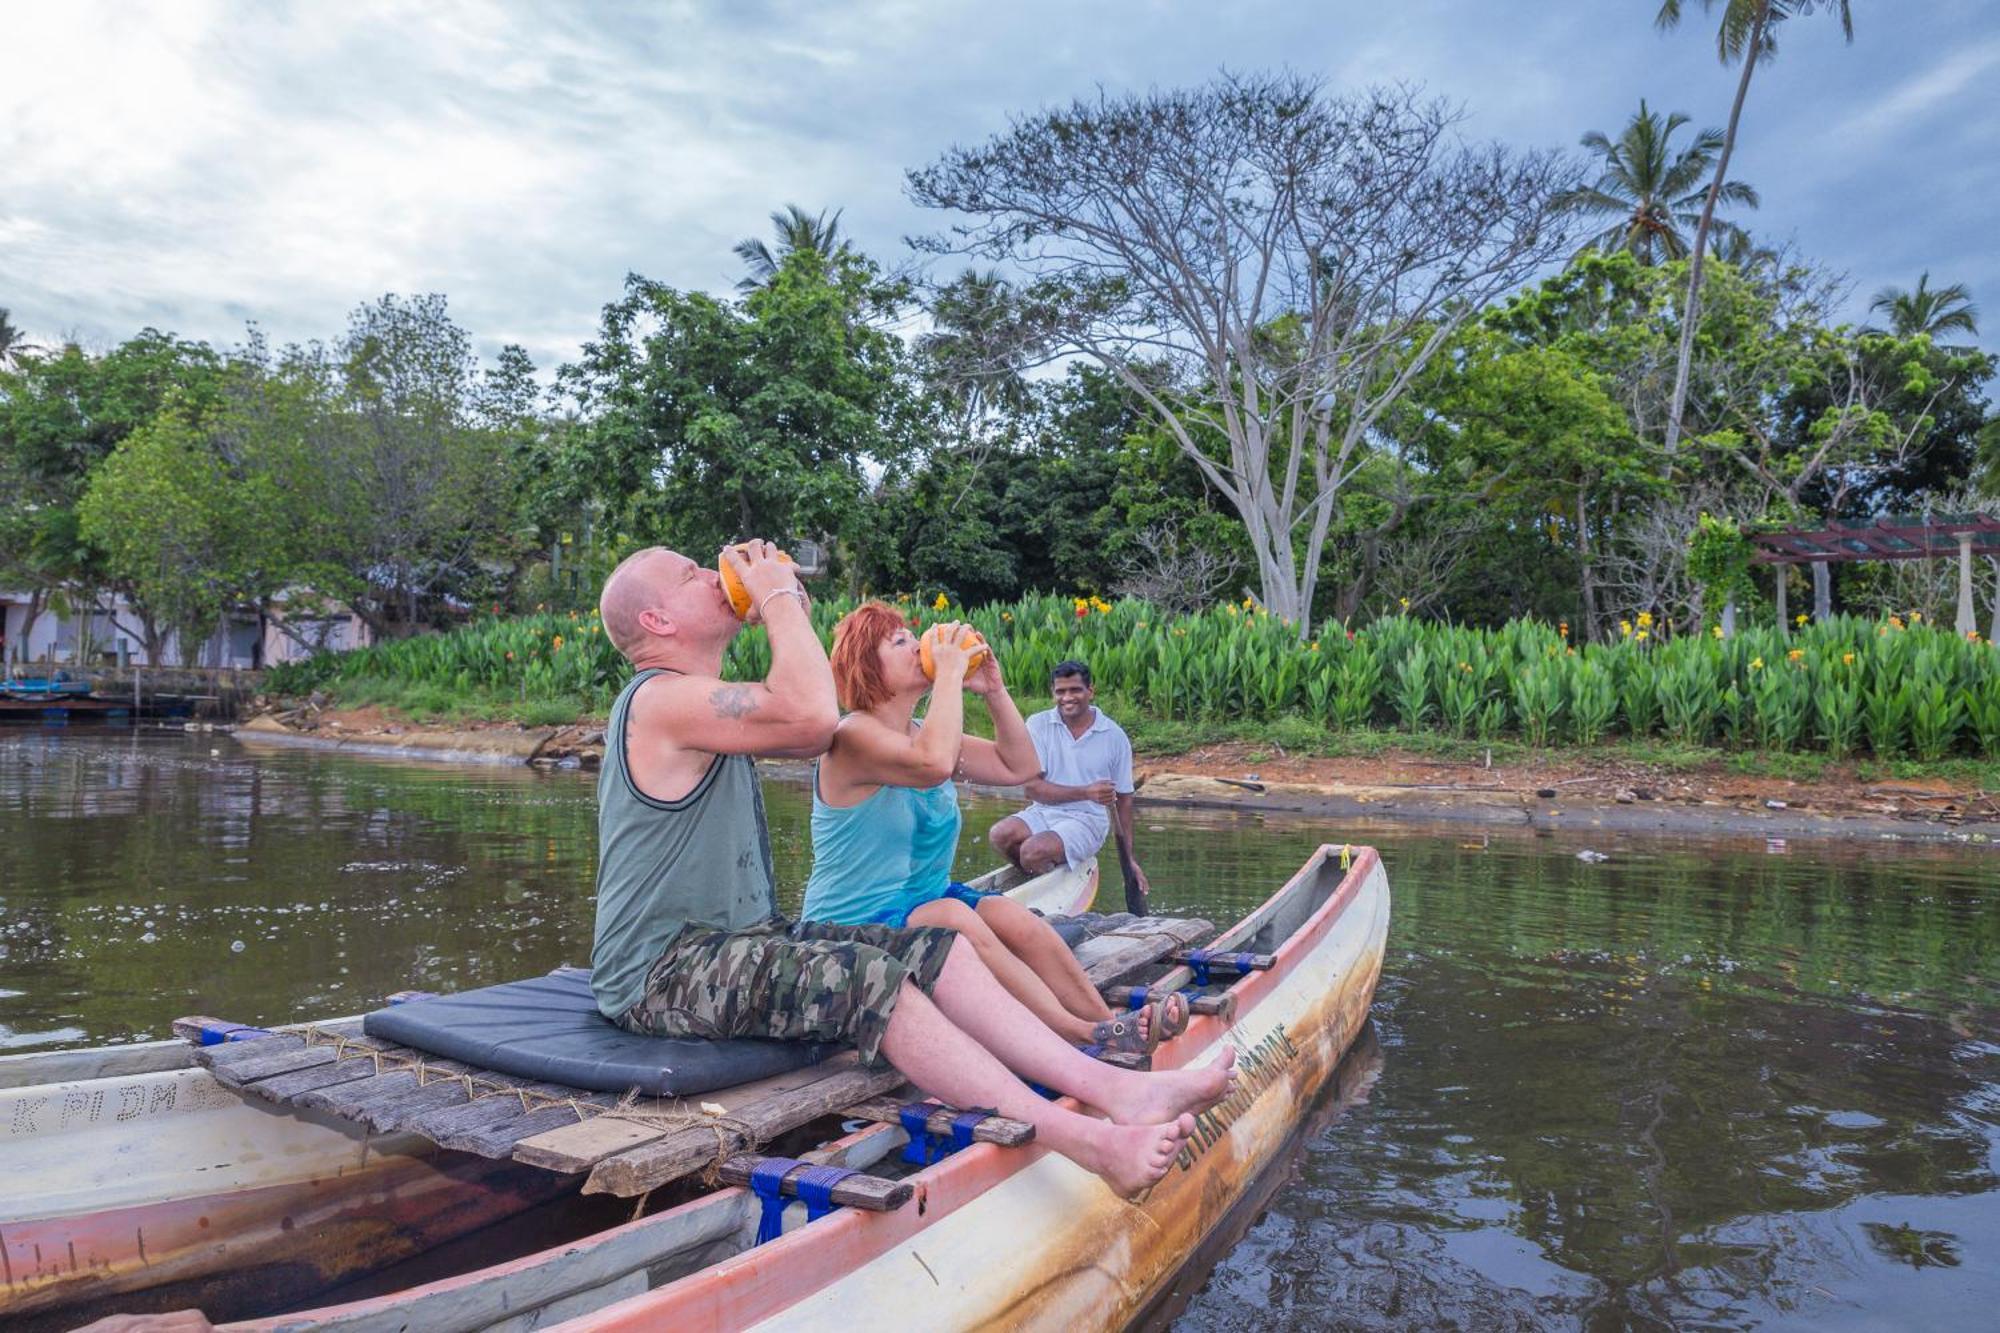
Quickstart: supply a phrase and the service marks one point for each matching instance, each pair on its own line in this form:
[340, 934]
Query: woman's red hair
[857, 666]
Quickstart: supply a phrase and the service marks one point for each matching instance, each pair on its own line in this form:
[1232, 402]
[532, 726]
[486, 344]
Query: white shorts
[1080, 837]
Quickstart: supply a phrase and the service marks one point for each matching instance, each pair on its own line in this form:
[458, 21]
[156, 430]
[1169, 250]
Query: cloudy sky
[195, 165]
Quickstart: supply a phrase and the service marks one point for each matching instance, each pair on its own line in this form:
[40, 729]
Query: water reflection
[1695, 1085]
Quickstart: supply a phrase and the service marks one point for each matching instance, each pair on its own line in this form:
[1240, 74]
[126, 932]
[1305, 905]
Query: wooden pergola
[1891, 537]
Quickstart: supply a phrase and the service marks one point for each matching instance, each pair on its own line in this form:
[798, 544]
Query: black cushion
[548, 1028]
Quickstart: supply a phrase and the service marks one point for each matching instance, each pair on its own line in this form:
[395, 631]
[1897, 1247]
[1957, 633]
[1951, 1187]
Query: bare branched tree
[1171, 572]
[1645, 568]
[1294, 258]
[1414, 565]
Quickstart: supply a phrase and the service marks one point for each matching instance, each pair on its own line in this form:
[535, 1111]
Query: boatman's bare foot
[1134, 1158]
[1165, 1094]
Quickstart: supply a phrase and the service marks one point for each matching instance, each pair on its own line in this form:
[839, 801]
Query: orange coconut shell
[930, 664]
[739, 596]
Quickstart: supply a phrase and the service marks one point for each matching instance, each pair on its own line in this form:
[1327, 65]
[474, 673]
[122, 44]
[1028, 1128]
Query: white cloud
[192, 164]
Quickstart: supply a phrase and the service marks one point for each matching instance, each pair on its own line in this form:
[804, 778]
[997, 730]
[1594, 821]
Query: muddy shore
[1567, 791]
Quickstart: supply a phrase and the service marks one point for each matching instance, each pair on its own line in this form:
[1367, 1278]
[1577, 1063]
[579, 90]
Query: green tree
[706, 421]
[61, 416]
[1653, 192]
[14, 342]
[1929, 310]
[796, 230]
[420, 455]
[1748, 33]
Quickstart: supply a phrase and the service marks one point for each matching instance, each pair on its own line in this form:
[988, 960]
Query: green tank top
[703, 860]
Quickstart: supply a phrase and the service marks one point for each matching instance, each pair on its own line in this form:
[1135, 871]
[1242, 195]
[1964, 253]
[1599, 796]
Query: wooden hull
[158, 1186]
[996, 1237]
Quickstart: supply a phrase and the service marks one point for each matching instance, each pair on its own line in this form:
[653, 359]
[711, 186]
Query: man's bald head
[634, 587]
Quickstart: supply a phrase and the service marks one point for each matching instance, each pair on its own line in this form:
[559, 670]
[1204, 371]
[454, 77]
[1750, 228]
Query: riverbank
[1613, 787]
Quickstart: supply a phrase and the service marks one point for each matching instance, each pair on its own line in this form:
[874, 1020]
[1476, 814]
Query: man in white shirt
[1085, 789]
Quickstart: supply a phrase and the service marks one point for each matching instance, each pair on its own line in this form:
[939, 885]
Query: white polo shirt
[1103, 752]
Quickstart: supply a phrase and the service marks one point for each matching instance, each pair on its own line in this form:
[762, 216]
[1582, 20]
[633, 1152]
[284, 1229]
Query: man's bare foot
[1133, 1158]
[1165, 1094]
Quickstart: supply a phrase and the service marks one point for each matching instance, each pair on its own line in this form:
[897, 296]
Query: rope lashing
[922, 1149]
[814, 1186]
[925, 1147]
[1197, 961]
[767, 1182]
[1136, 1000]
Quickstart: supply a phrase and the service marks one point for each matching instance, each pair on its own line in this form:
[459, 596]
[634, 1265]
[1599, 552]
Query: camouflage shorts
[803, 981]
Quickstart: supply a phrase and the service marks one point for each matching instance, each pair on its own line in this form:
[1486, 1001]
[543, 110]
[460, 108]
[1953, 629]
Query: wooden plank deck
[628, 1145]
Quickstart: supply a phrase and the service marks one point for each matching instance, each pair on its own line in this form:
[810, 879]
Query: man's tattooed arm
[733, 701]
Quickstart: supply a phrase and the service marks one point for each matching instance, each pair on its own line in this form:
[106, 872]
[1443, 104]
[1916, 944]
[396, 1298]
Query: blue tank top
[880, 857]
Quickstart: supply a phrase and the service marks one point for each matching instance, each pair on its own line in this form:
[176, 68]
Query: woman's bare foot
[1133, 1158]
[1148, 1099]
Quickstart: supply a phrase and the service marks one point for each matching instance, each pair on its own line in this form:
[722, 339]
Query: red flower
[1082, 611]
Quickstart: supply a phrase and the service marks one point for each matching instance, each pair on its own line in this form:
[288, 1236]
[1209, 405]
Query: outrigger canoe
[990, 1236]
[135, 1180]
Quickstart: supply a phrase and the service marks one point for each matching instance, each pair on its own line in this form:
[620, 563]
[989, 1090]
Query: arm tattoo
[733, 701]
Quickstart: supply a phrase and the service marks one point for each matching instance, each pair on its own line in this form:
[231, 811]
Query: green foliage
[1718, 558]
[706, 420]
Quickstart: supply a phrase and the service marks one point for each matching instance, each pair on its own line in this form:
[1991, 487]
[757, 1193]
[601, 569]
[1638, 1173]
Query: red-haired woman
[885, 820]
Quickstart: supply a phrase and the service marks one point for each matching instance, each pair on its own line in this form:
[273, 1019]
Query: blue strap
[1245, 963]
[815, 1186]
[1197, 961]
[1092, 1051]
[962, 1126]
[1137, 999]
[922, 1149]
[1046, 1094]
[767, 1180]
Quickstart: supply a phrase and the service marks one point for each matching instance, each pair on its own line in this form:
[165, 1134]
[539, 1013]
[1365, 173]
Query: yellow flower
[1641, 636]
[1079, 603]
[1716, 630]
[1315, 645]
[1800, 619]
[1625, 628]
[1847, 659]
[1404, 602]
[1466, 667]
[942, 603]
[1562, 627]
[1756, 664]
[1916, 617]
[1645, 620]
[1972, 636]
[558, 641]
[1895, 622]
[1007, 616]
[1795, 654]
[1249, 602]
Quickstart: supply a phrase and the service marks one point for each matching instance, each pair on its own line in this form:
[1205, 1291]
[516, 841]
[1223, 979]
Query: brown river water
[1705, 1084]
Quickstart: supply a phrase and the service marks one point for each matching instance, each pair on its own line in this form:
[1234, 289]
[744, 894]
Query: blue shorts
[899, 916]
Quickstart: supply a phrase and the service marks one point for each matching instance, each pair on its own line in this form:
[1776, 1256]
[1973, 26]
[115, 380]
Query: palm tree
[14, 342]
[796, 230]
[1748, 33]
[1928, 309]
[1653, 191]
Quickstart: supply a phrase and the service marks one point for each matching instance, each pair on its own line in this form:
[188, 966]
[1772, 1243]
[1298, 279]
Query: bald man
[689, 942]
